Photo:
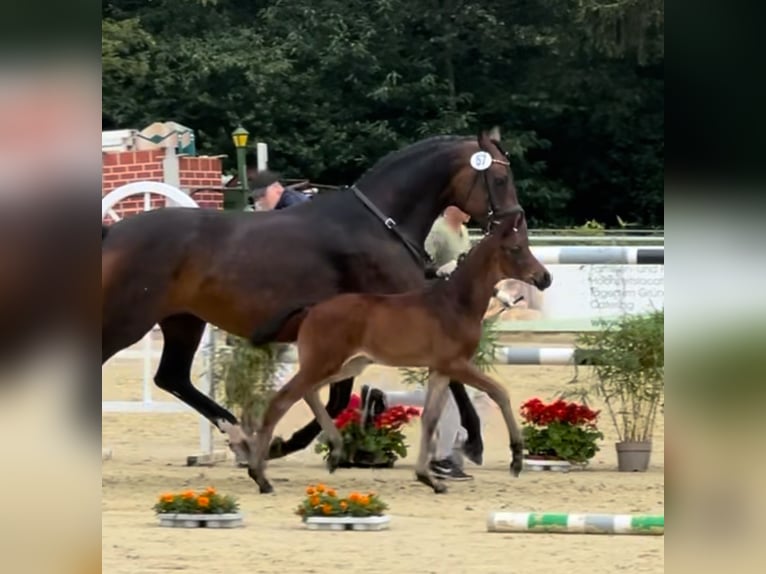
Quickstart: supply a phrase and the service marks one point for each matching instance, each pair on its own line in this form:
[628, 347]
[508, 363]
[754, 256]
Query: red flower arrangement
[379, 444]
[560, 431]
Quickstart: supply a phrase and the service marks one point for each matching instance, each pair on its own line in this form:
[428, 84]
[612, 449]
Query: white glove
[506, 299]
[447, 268]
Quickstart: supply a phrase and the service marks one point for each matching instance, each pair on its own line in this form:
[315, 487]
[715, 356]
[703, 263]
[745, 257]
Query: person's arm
[291, 197]
[436, 247]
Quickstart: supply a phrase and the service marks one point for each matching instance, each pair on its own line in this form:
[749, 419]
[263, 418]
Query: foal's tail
[269, 330]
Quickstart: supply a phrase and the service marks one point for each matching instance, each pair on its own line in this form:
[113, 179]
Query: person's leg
[449, 430]
[451, 436]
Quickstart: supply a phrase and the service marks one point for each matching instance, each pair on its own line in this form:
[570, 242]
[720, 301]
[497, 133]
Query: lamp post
[236, 199]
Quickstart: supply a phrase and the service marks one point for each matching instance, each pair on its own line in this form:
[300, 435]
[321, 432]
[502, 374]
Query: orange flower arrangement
[209, 501]
[323, 501]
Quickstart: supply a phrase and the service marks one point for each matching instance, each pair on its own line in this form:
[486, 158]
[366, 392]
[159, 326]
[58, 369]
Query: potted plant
[379, 444]
[628, 364]
[244, 375]
[323, 509]
[558, 434]
[189, 509]
[243, 379]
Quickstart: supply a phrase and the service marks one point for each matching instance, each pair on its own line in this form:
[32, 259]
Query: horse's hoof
[276, 448]
[516, 468]
[266, 488]
[439, 487]
[474, 451]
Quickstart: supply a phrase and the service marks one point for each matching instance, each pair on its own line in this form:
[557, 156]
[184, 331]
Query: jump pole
[563, 523]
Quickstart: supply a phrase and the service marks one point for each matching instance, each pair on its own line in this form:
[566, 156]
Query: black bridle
[494, 215]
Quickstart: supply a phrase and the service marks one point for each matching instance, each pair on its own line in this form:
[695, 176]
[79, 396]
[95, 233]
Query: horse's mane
[419, 147]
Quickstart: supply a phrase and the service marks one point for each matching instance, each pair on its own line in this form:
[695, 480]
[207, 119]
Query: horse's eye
[501, 181]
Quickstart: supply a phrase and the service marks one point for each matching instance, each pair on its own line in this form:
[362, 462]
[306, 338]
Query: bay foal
[437, 327]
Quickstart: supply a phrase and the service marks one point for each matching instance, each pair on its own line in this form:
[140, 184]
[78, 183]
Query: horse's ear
[509, 228]
[485, 141]
[510, 225]
[494, 134]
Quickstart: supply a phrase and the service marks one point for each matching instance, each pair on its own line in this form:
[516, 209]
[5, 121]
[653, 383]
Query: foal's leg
[182, 335]
[436, 398]
[329, 428]
[340, 394]
[286, 397]
[472, 376]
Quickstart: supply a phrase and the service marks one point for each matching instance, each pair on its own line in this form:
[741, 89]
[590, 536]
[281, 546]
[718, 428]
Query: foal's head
[509, 243]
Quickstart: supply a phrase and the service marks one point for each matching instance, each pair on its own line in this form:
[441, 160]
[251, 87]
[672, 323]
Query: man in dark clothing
[267, 192]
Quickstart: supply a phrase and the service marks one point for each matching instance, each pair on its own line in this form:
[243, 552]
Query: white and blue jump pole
[599, 255]
[504, 356]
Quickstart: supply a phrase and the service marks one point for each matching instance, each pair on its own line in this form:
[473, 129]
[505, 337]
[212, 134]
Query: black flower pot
[365, 459]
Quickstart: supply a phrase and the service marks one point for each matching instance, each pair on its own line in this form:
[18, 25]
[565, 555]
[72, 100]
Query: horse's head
[483, 184]
[513, 257]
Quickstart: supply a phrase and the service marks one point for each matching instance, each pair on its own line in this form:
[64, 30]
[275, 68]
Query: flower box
[540, 464]
[206, 509]
[230, 520]
[323, 509]
[348, 522]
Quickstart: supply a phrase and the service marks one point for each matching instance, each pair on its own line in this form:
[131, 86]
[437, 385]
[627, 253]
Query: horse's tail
[104, 231]
[268, 331]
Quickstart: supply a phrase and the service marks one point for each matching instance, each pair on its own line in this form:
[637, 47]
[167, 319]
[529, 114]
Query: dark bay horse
[49, 267]
[183, 267]
[437, 326]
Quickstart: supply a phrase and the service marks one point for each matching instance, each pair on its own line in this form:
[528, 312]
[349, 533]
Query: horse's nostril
[545, 281]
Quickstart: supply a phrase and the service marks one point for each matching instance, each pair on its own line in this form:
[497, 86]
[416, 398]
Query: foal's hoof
[332, 463]
[276, 448]
[438, 486]
[516, 467]
[266, 488]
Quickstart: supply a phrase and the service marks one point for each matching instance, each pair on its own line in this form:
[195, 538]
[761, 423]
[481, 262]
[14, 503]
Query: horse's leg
[280, 403]
[340, 394]
[436, 398]
[328, 426]
[472, 376]
[473, 447]
[182, 335]
[118, 333]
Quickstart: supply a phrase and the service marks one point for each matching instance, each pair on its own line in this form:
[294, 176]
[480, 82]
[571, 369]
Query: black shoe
[448, 470]
[373, 403]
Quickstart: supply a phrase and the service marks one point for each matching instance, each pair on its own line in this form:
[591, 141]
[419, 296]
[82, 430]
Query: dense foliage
[577, 87]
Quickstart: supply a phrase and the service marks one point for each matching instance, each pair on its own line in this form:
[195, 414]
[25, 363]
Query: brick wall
[197, 172]
[120, 168]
